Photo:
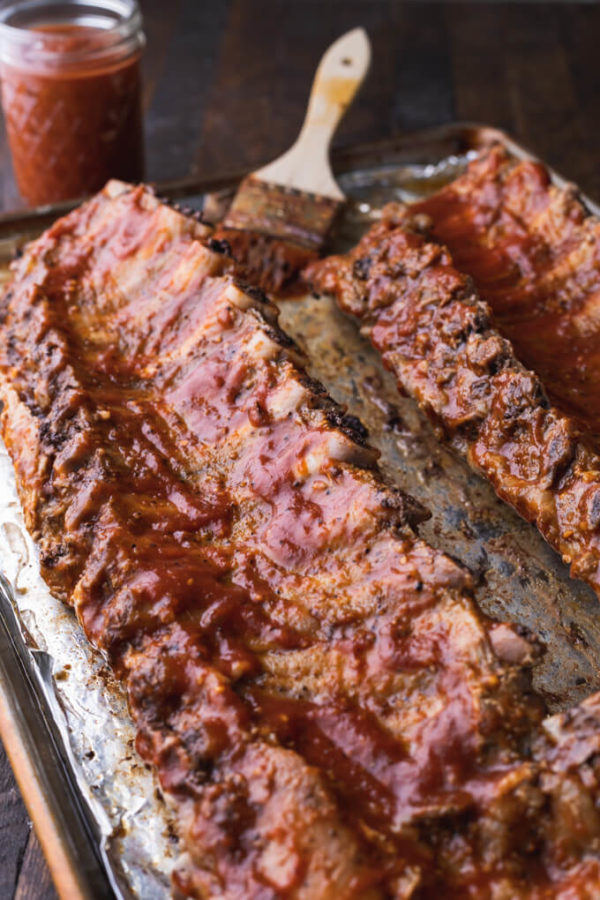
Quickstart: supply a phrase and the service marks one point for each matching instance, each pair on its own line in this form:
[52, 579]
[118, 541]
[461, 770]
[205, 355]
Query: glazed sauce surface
[73, 127]
[535, 258]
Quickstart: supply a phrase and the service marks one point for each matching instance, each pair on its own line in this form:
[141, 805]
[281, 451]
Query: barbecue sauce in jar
[71, 95]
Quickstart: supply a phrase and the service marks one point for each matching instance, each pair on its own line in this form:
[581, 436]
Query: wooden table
[226, 87]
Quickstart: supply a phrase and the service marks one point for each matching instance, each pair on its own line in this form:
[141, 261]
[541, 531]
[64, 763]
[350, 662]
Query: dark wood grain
[530, 89]
[34, 878]
[187, 37]
[226, 83]
[14, 830]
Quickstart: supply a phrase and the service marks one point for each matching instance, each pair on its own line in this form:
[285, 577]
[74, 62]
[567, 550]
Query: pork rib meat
[325, 706]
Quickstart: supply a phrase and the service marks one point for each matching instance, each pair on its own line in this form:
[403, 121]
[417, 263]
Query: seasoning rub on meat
[536, 259]
[327, 709]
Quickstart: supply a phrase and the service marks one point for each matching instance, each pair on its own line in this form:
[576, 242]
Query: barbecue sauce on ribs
[534, 255]
[323, 702]
[450, 351]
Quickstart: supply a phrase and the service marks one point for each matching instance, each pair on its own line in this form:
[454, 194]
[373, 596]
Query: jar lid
[48, 34]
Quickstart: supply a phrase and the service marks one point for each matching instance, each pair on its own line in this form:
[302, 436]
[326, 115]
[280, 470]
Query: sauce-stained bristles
[285, 213]
[274, 232]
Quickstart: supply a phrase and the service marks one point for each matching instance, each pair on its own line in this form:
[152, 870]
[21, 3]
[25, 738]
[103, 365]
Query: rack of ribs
[325, 706]
[530, 252]
[533, 253]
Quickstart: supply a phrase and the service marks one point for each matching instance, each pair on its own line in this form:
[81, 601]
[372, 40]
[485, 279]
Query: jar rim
[121, 30]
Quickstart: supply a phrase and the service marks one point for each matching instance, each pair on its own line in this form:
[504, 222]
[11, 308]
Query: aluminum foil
[90, 707]
[519, 577]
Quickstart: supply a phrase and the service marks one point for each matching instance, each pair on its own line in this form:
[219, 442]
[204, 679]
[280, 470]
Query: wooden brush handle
[341, 71]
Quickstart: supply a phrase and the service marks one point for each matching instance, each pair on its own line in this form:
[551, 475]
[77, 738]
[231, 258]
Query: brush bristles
[282, 213]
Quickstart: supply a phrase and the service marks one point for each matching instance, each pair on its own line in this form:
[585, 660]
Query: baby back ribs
[534, 255]
[450, 352]
[325, 706]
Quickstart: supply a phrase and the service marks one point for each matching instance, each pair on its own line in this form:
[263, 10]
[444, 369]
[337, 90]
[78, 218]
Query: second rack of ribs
[533, 254]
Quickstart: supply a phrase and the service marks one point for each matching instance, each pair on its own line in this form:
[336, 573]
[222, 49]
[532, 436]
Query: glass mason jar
[71, 94]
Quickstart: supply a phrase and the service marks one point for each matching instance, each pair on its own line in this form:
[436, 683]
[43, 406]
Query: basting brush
[282, 213]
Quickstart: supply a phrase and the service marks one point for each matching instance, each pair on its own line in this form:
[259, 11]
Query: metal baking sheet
[519, 578]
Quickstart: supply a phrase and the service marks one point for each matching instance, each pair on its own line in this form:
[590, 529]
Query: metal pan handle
[65, 825]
